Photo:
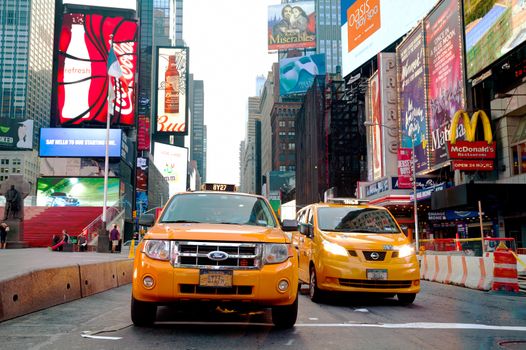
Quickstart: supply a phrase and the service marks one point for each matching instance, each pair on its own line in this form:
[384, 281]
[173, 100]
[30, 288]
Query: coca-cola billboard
[82, 79]
[172, 82]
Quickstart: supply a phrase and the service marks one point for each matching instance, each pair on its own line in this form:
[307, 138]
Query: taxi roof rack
[341, 200]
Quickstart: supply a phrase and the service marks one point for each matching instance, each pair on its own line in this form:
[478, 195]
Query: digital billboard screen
[292, 26]
[16, 134]
[445, 65]
[297, 74]
[493, 28]
[82, 79]
[369, 26]
[172, 162]
[73, 142]
[124, 4]
[77, 167]
[172, 96]
[375, 117]
[76, 191]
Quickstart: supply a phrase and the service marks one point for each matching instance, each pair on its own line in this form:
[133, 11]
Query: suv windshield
[217, 208]
[352, 219]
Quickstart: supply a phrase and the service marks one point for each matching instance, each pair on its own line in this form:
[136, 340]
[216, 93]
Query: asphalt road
[442, 317]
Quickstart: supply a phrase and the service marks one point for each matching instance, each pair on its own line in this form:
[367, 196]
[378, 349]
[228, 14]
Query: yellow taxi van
[346, 245]
[216, 248]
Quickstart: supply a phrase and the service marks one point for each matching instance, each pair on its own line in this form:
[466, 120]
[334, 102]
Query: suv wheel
[315, 293]
[284, 317]
[406, 298]
[143, 313]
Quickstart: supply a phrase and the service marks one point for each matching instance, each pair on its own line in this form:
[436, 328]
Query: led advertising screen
[292, 26]
[77, 167]
[16, 134]
[412, 92]
[124, 4]
[82, 79]
[493, 28]
[297, 74]
[66, 142]
[172, 162]
[376, 130]
[369, 26]
[446, 93]
[143, 133]
[76, 191]
[172, 82]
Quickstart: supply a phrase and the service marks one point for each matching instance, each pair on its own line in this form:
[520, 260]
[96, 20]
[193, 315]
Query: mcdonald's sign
[478, 152]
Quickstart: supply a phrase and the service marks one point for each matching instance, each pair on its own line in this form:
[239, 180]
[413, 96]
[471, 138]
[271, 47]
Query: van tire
[143, 314]
[406, 298]
[315, 294]
[284, 317]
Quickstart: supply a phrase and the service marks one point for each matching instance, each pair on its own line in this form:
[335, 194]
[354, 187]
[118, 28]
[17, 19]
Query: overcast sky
[228, 50]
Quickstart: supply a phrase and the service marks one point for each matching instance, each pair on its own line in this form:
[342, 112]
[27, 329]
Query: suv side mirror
[289, 225]
[146, 220]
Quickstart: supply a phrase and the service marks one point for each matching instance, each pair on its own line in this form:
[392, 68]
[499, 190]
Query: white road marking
[418, 325]
[313, 318]
[361, 310]
[289, 343]
[99, 337]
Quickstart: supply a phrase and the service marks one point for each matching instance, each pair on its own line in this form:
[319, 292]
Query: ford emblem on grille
[217, 255]
[375, 255]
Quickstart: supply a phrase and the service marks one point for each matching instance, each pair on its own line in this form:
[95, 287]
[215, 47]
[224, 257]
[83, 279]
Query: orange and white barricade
[505, 270]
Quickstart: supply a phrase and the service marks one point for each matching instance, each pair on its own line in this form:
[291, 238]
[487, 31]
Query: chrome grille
[368, 255]
[195, 255]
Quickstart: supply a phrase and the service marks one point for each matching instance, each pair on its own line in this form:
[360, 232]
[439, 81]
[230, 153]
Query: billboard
[66, 142]
[143, 133]
[292, 26]
[297, 74]
[369, 26]
[77, 167]
[142, 174]
[172, 162]
[375, 132]
[124, 4]
[446, 95]
[76, 191]
[492, 30]
[82, 79]
[412, 96]
[16, 134]
[172, 83]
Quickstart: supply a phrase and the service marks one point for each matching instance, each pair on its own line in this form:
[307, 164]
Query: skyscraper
[197, 131]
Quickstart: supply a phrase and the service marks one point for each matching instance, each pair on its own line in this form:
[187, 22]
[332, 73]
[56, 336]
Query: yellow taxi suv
[348, 246]
[223, 249]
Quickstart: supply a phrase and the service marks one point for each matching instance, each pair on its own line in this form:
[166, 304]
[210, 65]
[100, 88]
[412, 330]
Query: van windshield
[353, 219]
[218, 208]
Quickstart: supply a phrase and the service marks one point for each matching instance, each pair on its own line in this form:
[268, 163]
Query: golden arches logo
[470, 125]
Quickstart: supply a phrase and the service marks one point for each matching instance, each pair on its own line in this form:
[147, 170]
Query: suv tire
[143, 314]
[284, 317]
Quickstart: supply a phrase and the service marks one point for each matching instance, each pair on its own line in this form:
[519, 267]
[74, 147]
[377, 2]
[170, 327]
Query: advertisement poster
[76, 191]
[375, 117]
[16, 134]
[492, 30]
[70, 142]
[446, 93]
[405, 168]
[142, 174]
[143, 133]
[82, 79]
[172, 162]
[412, 91]
[297, 74]
[292, 26]
[172, 82]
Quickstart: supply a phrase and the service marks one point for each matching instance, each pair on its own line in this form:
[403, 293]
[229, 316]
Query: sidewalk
[37, 278]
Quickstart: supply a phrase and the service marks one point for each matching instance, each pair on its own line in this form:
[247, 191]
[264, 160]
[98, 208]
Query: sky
[228, 50]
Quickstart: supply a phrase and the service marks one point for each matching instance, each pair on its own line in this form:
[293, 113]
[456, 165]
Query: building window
[282, 123]
[282, 168]
[291, 123]
[518, 150]
[292, 146]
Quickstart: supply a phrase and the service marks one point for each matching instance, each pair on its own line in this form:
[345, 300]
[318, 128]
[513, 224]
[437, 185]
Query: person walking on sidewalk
[114, 236]
[3, 234]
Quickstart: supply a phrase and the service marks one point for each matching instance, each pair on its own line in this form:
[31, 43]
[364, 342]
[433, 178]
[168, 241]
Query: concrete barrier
[124, 272]
[96, 278]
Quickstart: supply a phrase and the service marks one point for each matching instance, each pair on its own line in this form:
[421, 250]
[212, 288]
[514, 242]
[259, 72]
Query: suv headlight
[334, 248]
[276, 253]
[405, 250]
[155, 249]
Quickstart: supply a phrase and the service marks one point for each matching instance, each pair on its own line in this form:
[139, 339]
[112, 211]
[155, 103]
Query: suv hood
[366, 240]
[217, 232]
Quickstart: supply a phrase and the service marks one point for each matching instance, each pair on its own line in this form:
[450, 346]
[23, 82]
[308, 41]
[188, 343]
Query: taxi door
[306, 229]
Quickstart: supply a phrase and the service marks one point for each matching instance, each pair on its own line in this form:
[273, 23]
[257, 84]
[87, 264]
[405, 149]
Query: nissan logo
[217, 255]
[375, 255]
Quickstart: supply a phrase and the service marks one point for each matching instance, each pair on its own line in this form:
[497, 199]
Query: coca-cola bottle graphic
[171, 91]
[77, 71]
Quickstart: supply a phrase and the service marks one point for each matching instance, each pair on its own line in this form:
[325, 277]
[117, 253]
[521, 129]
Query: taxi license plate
[215, 278]
[376, 274]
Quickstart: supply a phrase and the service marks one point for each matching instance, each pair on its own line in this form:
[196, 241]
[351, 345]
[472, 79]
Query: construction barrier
[505, 270]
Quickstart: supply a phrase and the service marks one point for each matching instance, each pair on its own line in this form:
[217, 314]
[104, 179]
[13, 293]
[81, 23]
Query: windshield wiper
[354, 230]
[180, 222]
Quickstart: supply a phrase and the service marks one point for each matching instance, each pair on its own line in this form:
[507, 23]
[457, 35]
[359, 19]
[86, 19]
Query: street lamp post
[413, 164]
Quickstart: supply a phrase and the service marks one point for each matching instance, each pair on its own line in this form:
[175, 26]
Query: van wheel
[143, 313]
[315, 293]
[406, 298]
[284, 317]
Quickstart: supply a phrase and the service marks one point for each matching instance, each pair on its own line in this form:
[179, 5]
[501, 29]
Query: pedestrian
[114, 236]
[3, 234]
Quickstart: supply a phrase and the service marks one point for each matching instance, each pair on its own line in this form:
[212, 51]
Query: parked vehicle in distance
[349, 246]
[216, 248]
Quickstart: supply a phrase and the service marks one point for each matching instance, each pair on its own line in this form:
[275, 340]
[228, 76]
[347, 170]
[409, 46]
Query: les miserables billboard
[82, 80]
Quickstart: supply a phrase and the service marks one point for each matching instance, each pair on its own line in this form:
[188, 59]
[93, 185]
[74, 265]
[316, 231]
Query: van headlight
[156, 249]
[405, 250]
[334, 248]
[276, 253]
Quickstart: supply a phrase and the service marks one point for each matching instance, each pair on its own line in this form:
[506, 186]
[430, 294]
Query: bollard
[131, 255]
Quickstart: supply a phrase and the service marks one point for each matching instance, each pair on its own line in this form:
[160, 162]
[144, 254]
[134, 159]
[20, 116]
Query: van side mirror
[307, 230]
[146, 220]
[289, 225]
